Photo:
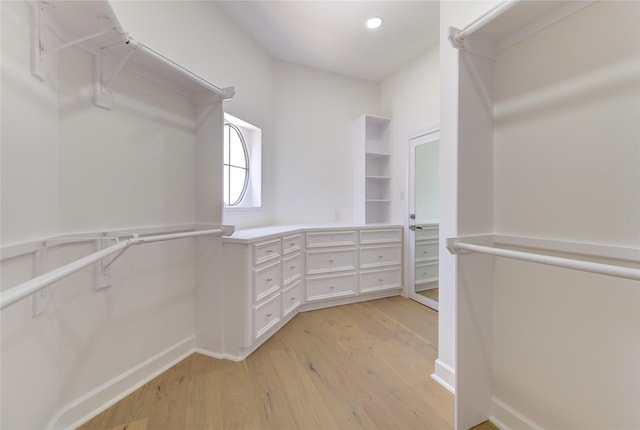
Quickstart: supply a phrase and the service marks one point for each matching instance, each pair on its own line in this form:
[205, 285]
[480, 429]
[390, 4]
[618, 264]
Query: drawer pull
[269, 279]
[269, 315]
[381, 279]
[379, 256]
[292, 244]
[331, 287]
[292, 298]
[330, 261]
[292, 267]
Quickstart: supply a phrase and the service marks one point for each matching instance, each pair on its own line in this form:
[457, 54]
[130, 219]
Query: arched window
[236, 165]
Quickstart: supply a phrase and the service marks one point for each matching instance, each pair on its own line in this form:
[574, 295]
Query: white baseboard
[220, 356]
[445, 375]
[507, 418]
[99, 399]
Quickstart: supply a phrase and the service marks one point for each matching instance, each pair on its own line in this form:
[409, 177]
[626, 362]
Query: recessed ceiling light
[374, 22]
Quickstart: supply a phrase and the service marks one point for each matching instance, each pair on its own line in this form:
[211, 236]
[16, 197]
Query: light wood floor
[433, 294]
[360, 366]
[487, 425]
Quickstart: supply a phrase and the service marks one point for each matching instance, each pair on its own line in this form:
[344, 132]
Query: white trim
[220, 356]
[507, 418]
[458, 246]
[252, 199]
[20, 291]
[79, 411]
[423, 131]
[444, 375]
[14, 250]
[409, 235]
[580, 248]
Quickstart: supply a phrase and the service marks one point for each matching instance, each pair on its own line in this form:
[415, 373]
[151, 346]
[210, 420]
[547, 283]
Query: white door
[423, 221]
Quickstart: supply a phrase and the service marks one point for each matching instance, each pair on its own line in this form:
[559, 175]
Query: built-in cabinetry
[426, 254]
[497, 126]
[372, 169]
[271, 274]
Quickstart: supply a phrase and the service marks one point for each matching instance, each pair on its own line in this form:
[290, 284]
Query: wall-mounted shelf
[511, 22]
[372, 180]
[93, 26]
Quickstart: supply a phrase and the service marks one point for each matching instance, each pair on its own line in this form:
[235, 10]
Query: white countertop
[261, 233]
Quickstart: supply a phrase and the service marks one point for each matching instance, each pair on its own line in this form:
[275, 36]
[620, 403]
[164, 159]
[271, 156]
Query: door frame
[434, 132]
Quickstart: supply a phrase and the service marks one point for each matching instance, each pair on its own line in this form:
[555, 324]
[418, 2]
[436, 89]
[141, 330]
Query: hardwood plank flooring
[433, 294]
[487, 425]
[360, 366]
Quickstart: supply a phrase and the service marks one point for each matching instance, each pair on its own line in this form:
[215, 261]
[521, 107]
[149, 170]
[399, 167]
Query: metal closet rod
[19, 292]
[225, 93]
[569, 263]
[484, 20]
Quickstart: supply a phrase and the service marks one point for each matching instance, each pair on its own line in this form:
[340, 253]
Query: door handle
[415, 227]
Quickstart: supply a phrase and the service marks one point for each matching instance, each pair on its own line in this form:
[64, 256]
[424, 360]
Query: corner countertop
[267, 232]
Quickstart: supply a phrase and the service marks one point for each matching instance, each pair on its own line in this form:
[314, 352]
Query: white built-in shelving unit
[94, 27]
[489, 297]
[372, 172]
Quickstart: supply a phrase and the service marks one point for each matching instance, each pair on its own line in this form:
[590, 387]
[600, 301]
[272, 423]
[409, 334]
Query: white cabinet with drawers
[332, 260]
[380, 260]
[271, 274]
[427, 256]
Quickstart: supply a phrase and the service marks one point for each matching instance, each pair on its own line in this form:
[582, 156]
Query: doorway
[423, 224]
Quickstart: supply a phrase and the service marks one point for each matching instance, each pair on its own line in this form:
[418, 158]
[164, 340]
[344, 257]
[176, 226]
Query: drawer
[266, 315]
[331, 260]
[380, 236]
[426, 272]
[266, 280]
[291, 244]
[291, 268]
[426, 249]
[327, 287]
[335, 238]
[374, 256]
[266, 251]
[291, 298]
[427, 232]
[377, 280]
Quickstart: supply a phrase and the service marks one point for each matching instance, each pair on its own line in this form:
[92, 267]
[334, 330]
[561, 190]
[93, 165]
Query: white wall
[411, 97]
[69, 167]
[30, 144]
[202, 38]
[313, 114]
[567, 167]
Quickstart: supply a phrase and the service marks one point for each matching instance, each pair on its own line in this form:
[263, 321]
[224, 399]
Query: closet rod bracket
[106, 70]
[43, 42]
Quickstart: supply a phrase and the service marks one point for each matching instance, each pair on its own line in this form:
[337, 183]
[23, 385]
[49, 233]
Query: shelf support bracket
[37, 64]
[103, 272]
[76, 41]
[106, 74]
[42, 18]
[40, 299]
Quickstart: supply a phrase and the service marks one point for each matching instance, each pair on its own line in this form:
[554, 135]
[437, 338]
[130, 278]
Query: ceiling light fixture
[373, 23]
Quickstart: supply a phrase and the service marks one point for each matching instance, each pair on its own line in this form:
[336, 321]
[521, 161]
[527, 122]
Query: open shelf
[372, 169]
[94, 27]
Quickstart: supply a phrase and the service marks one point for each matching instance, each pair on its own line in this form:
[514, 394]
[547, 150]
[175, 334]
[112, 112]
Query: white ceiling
[331, 35]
